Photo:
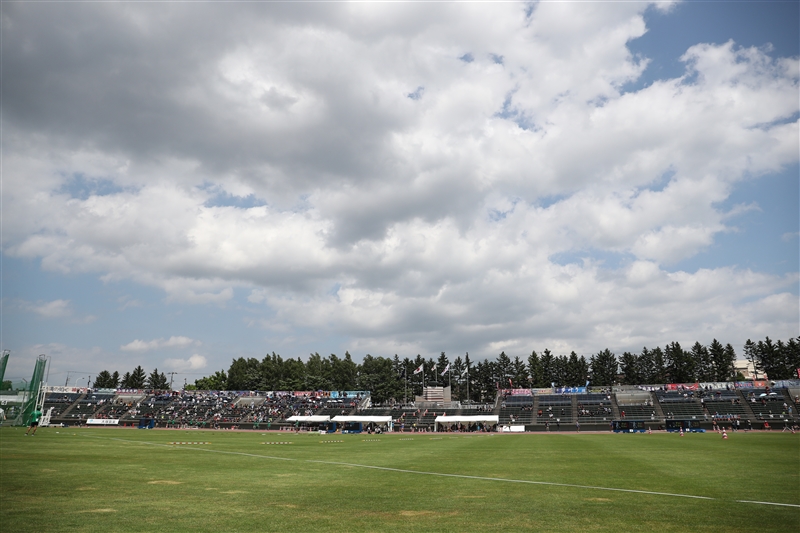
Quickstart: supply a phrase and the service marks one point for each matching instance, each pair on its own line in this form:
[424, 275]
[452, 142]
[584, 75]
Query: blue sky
[626, 176]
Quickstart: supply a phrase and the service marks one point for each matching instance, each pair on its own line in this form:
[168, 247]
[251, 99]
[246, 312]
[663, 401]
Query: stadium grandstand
[555, 409]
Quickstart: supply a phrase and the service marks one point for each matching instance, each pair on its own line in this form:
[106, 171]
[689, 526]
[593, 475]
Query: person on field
[34, 424]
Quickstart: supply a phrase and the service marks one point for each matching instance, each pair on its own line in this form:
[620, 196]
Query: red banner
[683, 386]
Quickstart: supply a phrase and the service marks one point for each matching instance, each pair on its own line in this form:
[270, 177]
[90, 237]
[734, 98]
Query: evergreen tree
[576, 370]
[727, 368]
[604, 368]
[701, 360]
[459, 372]
[721, 364]
[519, 373]
[137, 378]
[559, 370]
[547, 363]
[503, 368]
[156, 381]
[792, 358]
[629, 367]
[126, 381]
[441, 364]
[535, 371]
[114, 383]
[680, 364]
[659, 366]
[752, 357]
[104, 380]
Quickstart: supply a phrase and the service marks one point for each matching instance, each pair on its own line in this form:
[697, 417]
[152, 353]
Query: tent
[314, 419]
[387, 420]
[487, 419]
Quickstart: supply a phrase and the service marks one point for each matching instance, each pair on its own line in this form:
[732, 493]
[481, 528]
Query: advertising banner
[570, 390]
[517, 392]
[102, 421]
[759, 384]
[683, 386]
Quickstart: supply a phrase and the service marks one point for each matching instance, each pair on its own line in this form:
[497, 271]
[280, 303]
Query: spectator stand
[594, 408]
[555, 409]
[517, 410]
[681, 405]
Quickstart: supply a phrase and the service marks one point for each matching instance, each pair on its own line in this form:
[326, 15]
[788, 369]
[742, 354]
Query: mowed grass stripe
[464, 476]
[131, 481]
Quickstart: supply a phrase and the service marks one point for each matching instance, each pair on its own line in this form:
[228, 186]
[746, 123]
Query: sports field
[104, 479]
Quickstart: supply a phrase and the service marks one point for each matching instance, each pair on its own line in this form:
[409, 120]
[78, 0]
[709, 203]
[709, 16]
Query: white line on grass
[768, 503]
[440, 474]
[464, 476]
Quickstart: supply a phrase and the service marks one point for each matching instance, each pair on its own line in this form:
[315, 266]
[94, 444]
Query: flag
[434, 368]
[418, 370]
[445, 369]
[587, 383]
[510, 384]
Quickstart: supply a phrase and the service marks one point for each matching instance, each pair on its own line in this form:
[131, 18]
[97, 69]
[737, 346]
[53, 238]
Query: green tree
[503, 369]
[546, 362]
[629, 368]
[703, 366]
[377, 375]
[577, 370]
[137, 378]
[727, 367]
[217, 381]
[519, 373]
[125, 382]
[722, 363]
[680, 364]
[792, 357]
[535, 370]
[752, 357]
[245, 374]
[604, 368]
[156, 381]
[104, 380]
[659, 367]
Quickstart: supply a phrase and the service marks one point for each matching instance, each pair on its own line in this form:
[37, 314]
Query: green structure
[34, 395]
[3, 363]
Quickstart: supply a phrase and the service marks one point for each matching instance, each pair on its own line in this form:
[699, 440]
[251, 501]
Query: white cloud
[173, 342]
[57, 309]
[194, 362]
[483, 212]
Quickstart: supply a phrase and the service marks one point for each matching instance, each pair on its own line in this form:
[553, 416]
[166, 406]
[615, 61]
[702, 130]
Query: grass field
[105, 479]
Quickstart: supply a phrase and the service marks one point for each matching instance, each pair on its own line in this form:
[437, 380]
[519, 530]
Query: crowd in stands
[253, 409]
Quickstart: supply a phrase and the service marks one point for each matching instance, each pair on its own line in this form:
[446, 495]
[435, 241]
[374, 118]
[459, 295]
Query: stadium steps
[534, 417]
[746, 405]
[614, 407]
[66, 411]
[657, 406]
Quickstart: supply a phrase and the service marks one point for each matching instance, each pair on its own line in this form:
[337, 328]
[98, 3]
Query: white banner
[103, 421]
[65, 390]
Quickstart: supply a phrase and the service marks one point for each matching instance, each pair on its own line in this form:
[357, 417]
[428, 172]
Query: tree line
[137, 379]
[398, 379]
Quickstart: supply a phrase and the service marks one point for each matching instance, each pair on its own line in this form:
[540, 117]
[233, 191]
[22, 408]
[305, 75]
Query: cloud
[54, 309]
[194, 362]
[144, 346]
[507, 203]
[57, 309]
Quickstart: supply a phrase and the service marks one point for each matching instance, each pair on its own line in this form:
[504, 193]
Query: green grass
[132, 480]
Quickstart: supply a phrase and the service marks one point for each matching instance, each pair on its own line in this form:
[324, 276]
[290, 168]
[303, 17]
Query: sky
[188, 183]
